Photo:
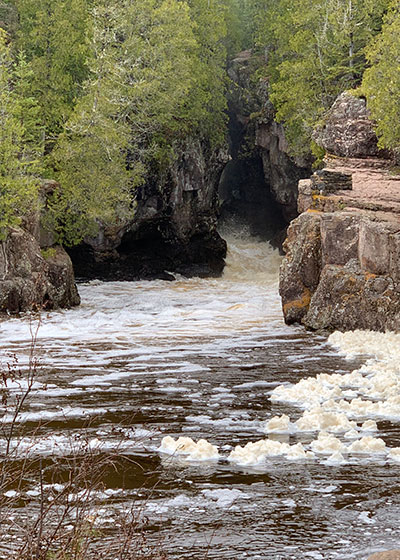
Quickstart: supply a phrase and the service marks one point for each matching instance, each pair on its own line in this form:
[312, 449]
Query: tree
[315, 51]
[54, 36]
[19, 167]
[381, 82]
[135, 106]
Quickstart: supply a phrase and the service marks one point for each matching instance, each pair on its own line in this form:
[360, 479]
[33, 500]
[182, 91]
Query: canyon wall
[173, 228]
[259, 185]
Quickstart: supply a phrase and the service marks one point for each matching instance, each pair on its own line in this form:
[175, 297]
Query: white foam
[192, 451]
[224, 497]
[327, 444]
[279, 425]
[394, 454]
[318, 419]
[368, 444]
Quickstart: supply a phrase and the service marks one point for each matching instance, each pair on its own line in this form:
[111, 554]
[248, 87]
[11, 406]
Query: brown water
[199, 358]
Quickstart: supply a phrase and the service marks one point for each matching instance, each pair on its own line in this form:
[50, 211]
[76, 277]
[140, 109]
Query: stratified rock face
[30, 281]
[342, 271]
[347, 130]
[174, 228]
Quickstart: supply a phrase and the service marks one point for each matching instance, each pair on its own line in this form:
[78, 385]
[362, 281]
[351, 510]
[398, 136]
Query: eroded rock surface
[346, 129]
[259, 185]
[173, 228]
[350, 247]
[30, 280]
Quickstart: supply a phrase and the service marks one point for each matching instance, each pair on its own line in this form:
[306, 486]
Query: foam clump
[298, 452]
[369, 426]
[254, 453]
[308, 392]
[336, 459]
[351, 434]
[318, 419]
[394, 454]
[368, 444]
[327, 444]
[200, 451]
[279, 425]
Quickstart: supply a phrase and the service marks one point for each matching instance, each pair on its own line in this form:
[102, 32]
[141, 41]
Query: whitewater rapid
[200, 381]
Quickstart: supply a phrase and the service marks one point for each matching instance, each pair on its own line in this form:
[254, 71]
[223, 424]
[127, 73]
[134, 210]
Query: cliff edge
[342, 264]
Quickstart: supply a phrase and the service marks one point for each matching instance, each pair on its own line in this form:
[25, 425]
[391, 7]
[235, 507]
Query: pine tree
[18, 150]
[53, 35]
[381, 83]
[315, 51]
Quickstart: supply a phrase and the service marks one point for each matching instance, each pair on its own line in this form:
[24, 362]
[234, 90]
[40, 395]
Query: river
[202, 358]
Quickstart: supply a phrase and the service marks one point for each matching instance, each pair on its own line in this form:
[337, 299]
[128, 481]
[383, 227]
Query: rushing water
[201, 358]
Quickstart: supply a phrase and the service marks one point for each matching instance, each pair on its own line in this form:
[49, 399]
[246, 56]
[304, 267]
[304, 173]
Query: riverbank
[342, 264]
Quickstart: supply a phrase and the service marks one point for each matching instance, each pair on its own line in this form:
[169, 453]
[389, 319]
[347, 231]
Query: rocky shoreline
[342, 264]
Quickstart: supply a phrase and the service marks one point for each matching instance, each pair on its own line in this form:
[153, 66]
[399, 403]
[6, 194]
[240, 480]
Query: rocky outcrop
[342, 264]
[259, 185]
[31, 279]
[174, 228]
[346, 129]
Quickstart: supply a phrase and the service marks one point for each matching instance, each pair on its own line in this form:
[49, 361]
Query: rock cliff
[174, 228]
[342, 264]
[31, 279]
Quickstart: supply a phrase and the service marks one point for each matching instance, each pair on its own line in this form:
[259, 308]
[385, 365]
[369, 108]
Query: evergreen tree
[315, 51]
[18, 151]
[53, 35]
[135, 105]
[381, 83]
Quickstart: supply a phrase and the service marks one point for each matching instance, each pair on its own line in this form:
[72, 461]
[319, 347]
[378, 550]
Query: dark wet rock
[173, 229]
[328, 181]
[346, 129]
[30, 279]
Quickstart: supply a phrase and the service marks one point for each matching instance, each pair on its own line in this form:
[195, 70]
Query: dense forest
[100, 95]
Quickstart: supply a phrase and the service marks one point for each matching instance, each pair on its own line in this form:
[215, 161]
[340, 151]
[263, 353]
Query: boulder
[346, 129]
[31, 279]
[348, 299]
[341, 271]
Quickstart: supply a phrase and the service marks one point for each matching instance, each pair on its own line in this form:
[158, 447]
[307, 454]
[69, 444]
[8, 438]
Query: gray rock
[341, 271]
[347, 130]
[301, 269]
[30, 280]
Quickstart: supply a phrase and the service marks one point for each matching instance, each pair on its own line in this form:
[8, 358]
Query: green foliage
[48, 253]
[381, 83]
[315, 51]
[53, 34]
[18, 135]
[156, 77]
[319, 154]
